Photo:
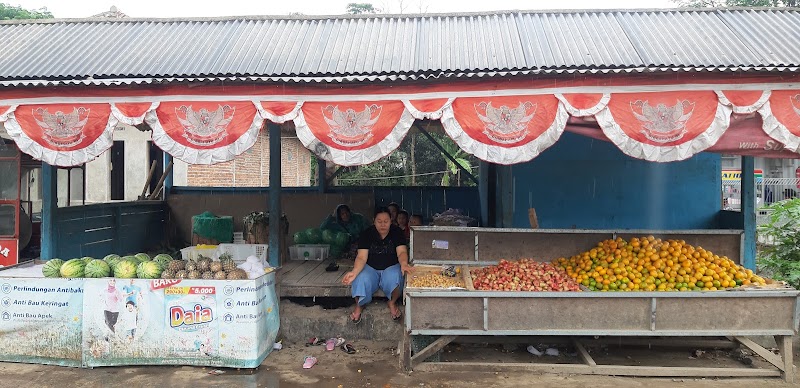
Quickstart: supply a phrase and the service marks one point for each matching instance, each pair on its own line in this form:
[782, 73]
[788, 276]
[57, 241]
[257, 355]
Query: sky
[205, 8]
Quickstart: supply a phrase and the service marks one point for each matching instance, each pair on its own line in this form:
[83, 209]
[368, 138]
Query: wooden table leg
[785, 347]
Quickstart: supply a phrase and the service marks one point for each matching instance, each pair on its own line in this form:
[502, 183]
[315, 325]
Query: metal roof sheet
[353, 48]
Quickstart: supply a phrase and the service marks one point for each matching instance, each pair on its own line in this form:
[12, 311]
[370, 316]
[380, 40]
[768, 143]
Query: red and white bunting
[665, 126]
[353, 133]
[278, 112]
[132, 113]
[584, 104]
[505, 130]
[62, 134]
[428, 109]
[744, 101]
[781, 117]
[205, 132]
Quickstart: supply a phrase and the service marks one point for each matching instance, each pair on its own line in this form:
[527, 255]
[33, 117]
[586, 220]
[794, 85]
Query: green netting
[210, 226]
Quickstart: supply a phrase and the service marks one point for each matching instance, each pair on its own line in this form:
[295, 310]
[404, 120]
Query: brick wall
[251, 169]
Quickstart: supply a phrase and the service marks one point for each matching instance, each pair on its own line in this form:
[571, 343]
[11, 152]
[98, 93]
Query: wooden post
[149, 178]
[533, 219]
[785, 347]
[322, 183]
[160, 183]
[49, 208]
[274, 194]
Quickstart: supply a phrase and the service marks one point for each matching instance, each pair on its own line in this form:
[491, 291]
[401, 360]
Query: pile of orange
[650, 264]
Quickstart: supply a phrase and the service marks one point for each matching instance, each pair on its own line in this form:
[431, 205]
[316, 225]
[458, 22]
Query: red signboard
[9, 251]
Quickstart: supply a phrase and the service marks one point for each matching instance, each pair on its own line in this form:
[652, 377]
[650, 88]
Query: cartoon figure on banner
[506, 125]
[351, 128]
[62, 129]
[204, 127]
[662, 123]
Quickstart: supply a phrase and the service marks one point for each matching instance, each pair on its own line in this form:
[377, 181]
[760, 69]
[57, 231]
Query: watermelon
[125, 269]
[314, 236]
[130, 258]
[148, 270]
[97, 269]
[87, 259]
[72, 268]
[111, 256]
[113, 262]
[163, 259]
[300, 238]
[52, 269]
[342, 239]
[142, 257]
[328, 236]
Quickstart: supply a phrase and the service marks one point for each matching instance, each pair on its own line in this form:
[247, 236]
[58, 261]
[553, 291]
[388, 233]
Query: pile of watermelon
[337, 241]
[139, 266]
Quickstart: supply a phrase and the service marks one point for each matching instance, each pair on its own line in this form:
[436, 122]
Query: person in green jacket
[344, 220]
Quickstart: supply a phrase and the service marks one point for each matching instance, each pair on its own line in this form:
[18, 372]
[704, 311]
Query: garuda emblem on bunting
[795, 100]
[351, 128]
[62, 129]
[662, 123]
[506, 125]
[205, 127]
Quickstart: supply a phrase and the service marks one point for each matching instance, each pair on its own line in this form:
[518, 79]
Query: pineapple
[220, 275]
[203, 264]
[176, 265]
[193, 274]
[208, 275]
[228, 265]
[215, 266]
[168, 274]
[180, 274]
[237, 274]
[191, 265]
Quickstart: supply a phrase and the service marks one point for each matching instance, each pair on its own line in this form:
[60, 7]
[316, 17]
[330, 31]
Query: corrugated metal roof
[340, 48]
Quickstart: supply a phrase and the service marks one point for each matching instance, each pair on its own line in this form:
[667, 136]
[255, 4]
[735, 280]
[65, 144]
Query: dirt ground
[376, 365]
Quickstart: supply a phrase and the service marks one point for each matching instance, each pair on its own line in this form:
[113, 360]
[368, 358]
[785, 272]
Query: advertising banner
[40, 320]
[179, 322]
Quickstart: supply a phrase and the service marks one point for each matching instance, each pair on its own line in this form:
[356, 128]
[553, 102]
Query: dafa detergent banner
[172, 322]
[40, 320]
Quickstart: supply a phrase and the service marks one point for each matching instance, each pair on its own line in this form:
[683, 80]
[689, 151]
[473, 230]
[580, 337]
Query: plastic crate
[193, 253]
[309, 252]
[240, 252]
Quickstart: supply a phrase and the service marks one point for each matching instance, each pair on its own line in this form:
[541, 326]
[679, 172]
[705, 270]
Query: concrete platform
[299, 323]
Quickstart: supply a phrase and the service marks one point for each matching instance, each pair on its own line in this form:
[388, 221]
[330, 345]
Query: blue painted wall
[101, 229]
[590, 184]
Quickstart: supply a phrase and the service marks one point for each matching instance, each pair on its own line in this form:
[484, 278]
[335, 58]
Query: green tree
[459, 156]
[8, 12]
[780, 256]
[736, 3]
[361, 8]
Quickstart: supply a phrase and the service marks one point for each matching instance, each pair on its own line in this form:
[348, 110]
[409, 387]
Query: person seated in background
[343, 220]
[402, 223]
[381, 263]
[394, 209]
[415, 220]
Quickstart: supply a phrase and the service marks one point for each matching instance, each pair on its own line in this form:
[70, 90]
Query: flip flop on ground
[309, 362]
[349, 349]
